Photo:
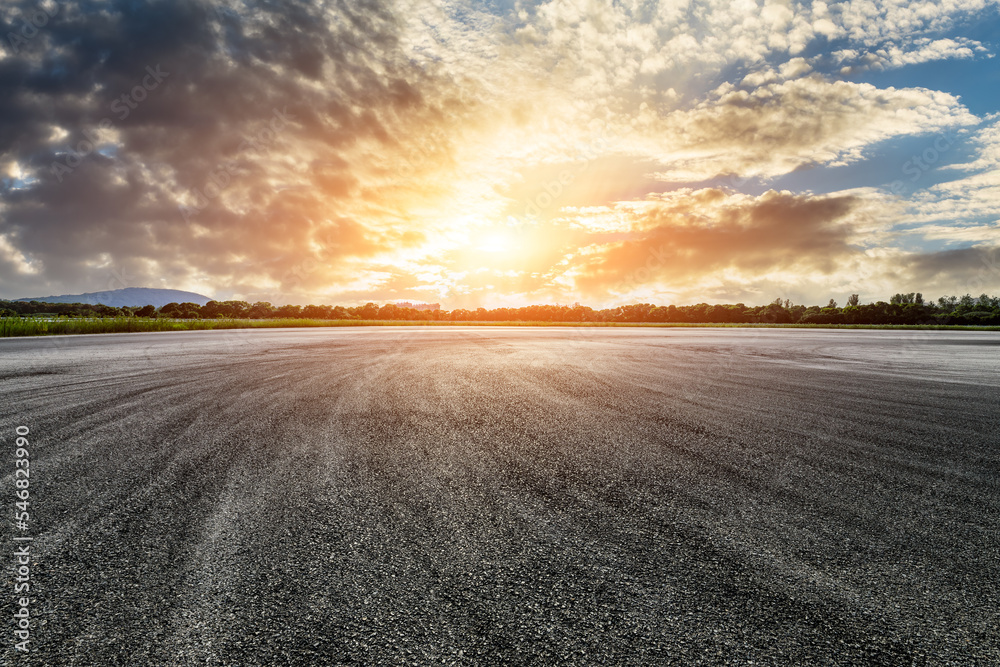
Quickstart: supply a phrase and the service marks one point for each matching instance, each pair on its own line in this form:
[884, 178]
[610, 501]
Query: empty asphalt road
[508, 496]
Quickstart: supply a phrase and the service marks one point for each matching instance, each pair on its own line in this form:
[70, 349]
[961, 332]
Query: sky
[501, 153]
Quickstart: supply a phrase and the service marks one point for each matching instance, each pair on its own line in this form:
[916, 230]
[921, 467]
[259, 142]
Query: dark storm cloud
[200, 131]
[972, 268]
[704, 233]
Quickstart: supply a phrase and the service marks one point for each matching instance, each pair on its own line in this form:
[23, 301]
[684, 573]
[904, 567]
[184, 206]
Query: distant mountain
[130, 296]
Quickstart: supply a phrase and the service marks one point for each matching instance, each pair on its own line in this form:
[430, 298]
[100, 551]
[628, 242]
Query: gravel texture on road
[509, 496]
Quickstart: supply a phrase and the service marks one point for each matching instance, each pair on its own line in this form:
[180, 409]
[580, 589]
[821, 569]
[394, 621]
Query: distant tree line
[900, 309]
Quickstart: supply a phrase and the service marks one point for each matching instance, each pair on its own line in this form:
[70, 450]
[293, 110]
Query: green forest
[901, 309]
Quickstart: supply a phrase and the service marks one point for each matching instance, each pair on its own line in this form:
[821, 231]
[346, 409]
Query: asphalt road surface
[508, 496]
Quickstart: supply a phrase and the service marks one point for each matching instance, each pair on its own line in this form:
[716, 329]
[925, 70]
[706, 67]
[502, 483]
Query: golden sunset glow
[496, 242]
[523, 152]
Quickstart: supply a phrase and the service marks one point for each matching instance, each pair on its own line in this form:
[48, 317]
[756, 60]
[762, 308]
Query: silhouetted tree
[261, 310]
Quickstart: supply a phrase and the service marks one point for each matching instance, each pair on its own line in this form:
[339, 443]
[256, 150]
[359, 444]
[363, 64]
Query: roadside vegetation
[34, 318]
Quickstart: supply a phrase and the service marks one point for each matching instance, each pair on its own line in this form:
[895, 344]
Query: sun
[495, 242]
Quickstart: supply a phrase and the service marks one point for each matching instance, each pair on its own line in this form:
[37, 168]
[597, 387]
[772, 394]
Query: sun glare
[495, 242]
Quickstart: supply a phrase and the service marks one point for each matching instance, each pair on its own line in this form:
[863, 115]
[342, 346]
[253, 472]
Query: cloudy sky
[501, 152]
